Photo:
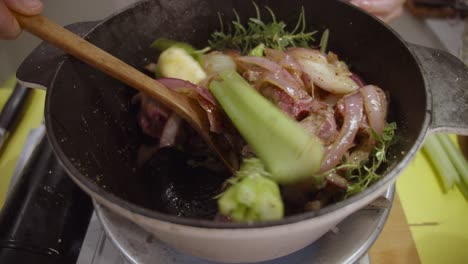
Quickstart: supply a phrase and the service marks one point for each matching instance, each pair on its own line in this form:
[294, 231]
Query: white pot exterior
[244, 244]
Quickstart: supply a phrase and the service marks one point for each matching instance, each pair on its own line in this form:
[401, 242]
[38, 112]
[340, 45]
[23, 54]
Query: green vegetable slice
[288, 152]
[163, 44]
[253, 196]
[258, 50]
[435, 152]
[455, 155]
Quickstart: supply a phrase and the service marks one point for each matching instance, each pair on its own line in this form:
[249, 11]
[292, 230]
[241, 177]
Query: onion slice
[353, 112]
[375, 106]
[170, 131]
[331, 77]
[187, 88]
[287, 62]
[203, 97]
[277, 75]
[152, 115]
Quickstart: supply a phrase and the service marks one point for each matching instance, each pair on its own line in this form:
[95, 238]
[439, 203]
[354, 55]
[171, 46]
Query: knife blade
[10, 112]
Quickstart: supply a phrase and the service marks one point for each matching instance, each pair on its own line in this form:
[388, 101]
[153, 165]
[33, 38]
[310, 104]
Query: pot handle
[39, 67]
[446, 80]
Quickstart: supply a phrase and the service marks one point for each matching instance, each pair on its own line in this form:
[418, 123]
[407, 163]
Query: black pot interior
[92, 124]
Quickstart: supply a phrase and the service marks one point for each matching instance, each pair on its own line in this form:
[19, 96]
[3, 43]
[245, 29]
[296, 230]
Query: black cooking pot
[92, 126]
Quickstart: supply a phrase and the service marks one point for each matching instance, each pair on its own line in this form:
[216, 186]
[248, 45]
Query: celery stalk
[458, 161]
[463, 187]
[455, 155]
[288, 152]
[444, 167]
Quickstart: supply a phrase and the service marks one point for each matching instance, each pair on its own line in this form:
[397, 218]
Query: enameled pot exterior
[243, 245]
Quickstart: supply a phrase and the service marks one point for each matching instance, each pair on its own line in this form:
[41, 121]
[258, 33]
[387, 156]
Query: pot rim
[95, 191]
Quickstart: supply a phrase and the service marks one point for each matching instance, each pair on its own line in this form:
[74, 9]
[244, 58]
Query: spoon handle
[60, 37]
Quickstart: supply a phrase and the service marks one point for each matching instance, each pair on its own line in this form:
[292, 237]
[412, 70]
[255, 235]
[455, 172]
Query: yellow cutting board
[438, 221]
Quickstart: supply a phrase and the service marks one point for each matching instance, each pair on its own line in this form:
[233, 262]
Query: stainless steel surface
[32, 141]
[347, 243]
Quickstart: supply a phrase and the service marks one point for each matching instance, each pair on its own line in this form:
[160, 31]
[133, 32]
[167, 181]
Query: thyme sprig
[273, 34]
[360, 176]
[368, 171]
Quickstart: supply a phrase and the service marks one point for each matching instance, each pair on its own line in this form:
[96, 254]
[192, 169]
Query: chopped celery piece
[288, 152]
[252, 196]
[258, 50]
[163, 44]
[441, 162]
[175, 62]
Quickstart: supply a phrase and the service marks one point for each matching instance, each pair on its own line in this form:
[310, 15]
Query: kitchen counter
[436, 220]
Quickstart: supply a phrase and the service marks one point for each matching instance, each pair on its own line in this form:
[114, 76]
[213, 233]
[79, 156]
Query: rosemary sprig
[367, 172]
[273, 35]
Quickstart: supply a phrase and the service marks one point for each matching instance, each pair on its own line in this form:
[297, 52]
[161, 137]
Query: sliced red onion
[304, 53]
[353, 112]
[308, 85]
[188, 88]
[328, 129]
[284, 84]
[152, 115]
[321, 123]
[375, 106]
[199, 93]
[169, 133]
[283, 59]
[288, 62]
[213, 114]
[332, 77]
[357, 79]
[278, 75]
[297, 109]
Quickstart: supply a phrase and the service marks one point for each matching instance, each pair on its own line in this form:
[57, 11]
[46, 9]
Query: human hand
[386, 10]
[9, 27]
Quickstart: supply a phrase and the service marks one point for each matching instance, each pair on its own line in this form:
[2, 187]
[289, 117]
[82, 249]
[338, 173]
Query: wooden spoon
[185, 107]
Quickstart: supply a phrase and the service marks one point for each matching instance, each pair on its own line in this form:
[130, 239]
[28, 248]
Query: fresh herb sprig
[273, 35]
[367, 172]
[362, 175]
